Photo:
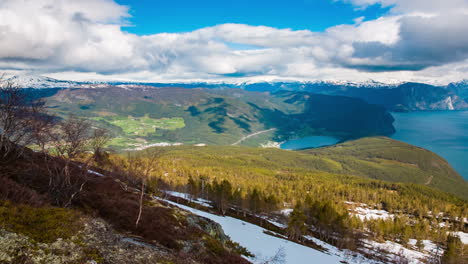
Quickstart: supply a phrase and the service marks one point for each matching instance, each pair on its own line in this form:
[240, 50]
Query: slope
[391, 160]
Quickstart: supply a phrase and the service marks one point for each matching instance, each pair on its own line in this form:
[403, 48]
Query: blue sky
[157, 16]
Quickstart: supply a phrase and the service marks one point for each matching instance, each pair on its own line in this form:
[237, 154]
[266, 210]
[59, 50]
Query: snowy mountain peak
[37, 81]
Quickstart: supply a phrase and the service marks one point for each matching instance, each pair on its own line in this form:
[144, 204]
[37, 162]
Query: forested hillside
[323, 188]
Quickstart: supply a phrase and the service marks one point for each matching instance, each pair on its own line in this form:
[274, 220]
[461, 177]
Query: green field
[143, 126]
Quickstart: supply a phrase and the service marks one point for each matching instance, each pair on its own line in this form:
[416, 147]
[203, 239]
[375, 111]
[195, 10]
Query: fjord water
[445, 133]
[442, 132]
[309, 142]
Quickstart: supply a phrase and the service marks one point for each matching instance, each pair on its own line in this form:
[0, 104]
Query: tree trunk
[141, 203]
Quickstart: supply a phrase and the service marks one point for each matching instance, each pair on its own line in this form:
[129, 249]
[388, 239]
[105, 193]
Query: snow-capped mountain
[40, 82]
[393, 95]
[37, 81]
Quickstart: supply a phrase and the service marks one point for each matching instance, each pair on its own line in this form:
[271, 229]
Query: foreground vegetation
[78, 181]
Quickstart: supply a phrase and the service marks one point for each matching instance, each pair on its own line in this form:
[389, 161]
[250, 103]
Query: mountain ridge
[395, 96]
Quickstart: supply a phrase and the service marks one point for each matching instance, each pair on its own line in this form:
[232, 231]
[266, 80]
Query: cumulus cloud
[412, 6]
[417, 39]
[416, 35]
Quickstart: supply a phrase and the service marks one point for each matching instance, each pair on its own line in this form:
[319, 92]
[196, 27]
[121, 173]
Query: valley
[142, 116]
[357, 196]
[233, 132]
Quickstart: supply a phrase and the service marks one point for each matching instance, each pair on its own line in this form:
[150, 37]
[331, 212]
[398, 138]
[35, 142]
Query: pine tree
[296, 224]
[454, 251]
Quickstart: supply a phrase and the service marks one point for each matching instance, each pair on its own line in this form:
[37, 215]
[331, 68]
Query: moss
[214, 246]
[92, 254]
[43, 224]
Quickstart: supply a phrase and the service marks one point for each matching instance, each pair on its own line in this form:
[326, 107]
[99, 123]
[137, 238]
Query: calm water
[445, 133]
[309, 142]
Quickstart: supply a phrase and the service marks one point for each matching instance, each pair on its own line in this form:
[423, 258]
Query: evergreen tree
[453, 253]
[296, 224]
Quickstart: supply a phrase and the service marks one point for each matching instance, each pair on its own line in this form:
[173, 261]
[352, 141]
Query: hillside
[377, 158]
[141, 116]
[392, 160]
[345, 197]
[59, 211]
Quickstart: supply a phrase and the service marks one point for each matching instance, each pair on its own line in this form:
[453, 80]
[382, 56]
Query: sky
[151, 17]
[236, 41]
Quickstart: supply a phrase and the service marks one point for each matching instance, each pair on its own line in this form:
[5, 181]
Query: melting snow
[365, 213]
[186, 196]
[286, 212]
[463, 236]
[265, 246]
[412, 256]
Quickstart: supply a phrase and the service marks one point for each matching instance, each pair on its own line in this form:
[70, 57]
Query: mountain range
[407, 96]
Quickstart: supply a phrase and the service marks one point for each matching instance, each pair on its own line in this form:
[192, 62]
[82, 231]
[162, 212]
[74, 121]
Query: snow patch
[401, 253]
[264, 246]
[95, 173]
[286, 211]
[364, 212]
[348, 255]
[462, 235]
[188, 197]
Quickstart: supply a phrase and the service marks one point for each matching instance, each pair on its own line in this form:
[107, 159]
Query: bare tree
[69, 139]
[141, 167]
[19, 118]
[42, 128]
[98, 140]
[140, 209]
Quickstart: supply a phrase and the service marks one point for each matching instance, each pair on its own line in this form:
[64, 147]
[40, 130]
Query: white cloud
[414, 6]
[82, 38]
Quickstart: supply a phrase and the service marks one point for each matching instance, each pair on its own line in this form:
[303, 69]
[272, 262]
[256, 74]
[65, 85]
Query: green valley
[144, 116]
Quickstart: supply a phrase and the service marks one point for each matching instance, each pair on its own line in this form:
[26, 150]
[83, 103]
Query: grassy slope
[392, 160]
[375, 158]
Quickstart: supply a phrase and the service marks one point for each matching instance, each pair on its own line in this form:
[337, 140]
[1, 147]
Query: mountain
[406, 97]
[393, 96]
[146, 115]
[40, 82]
[460, 88]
